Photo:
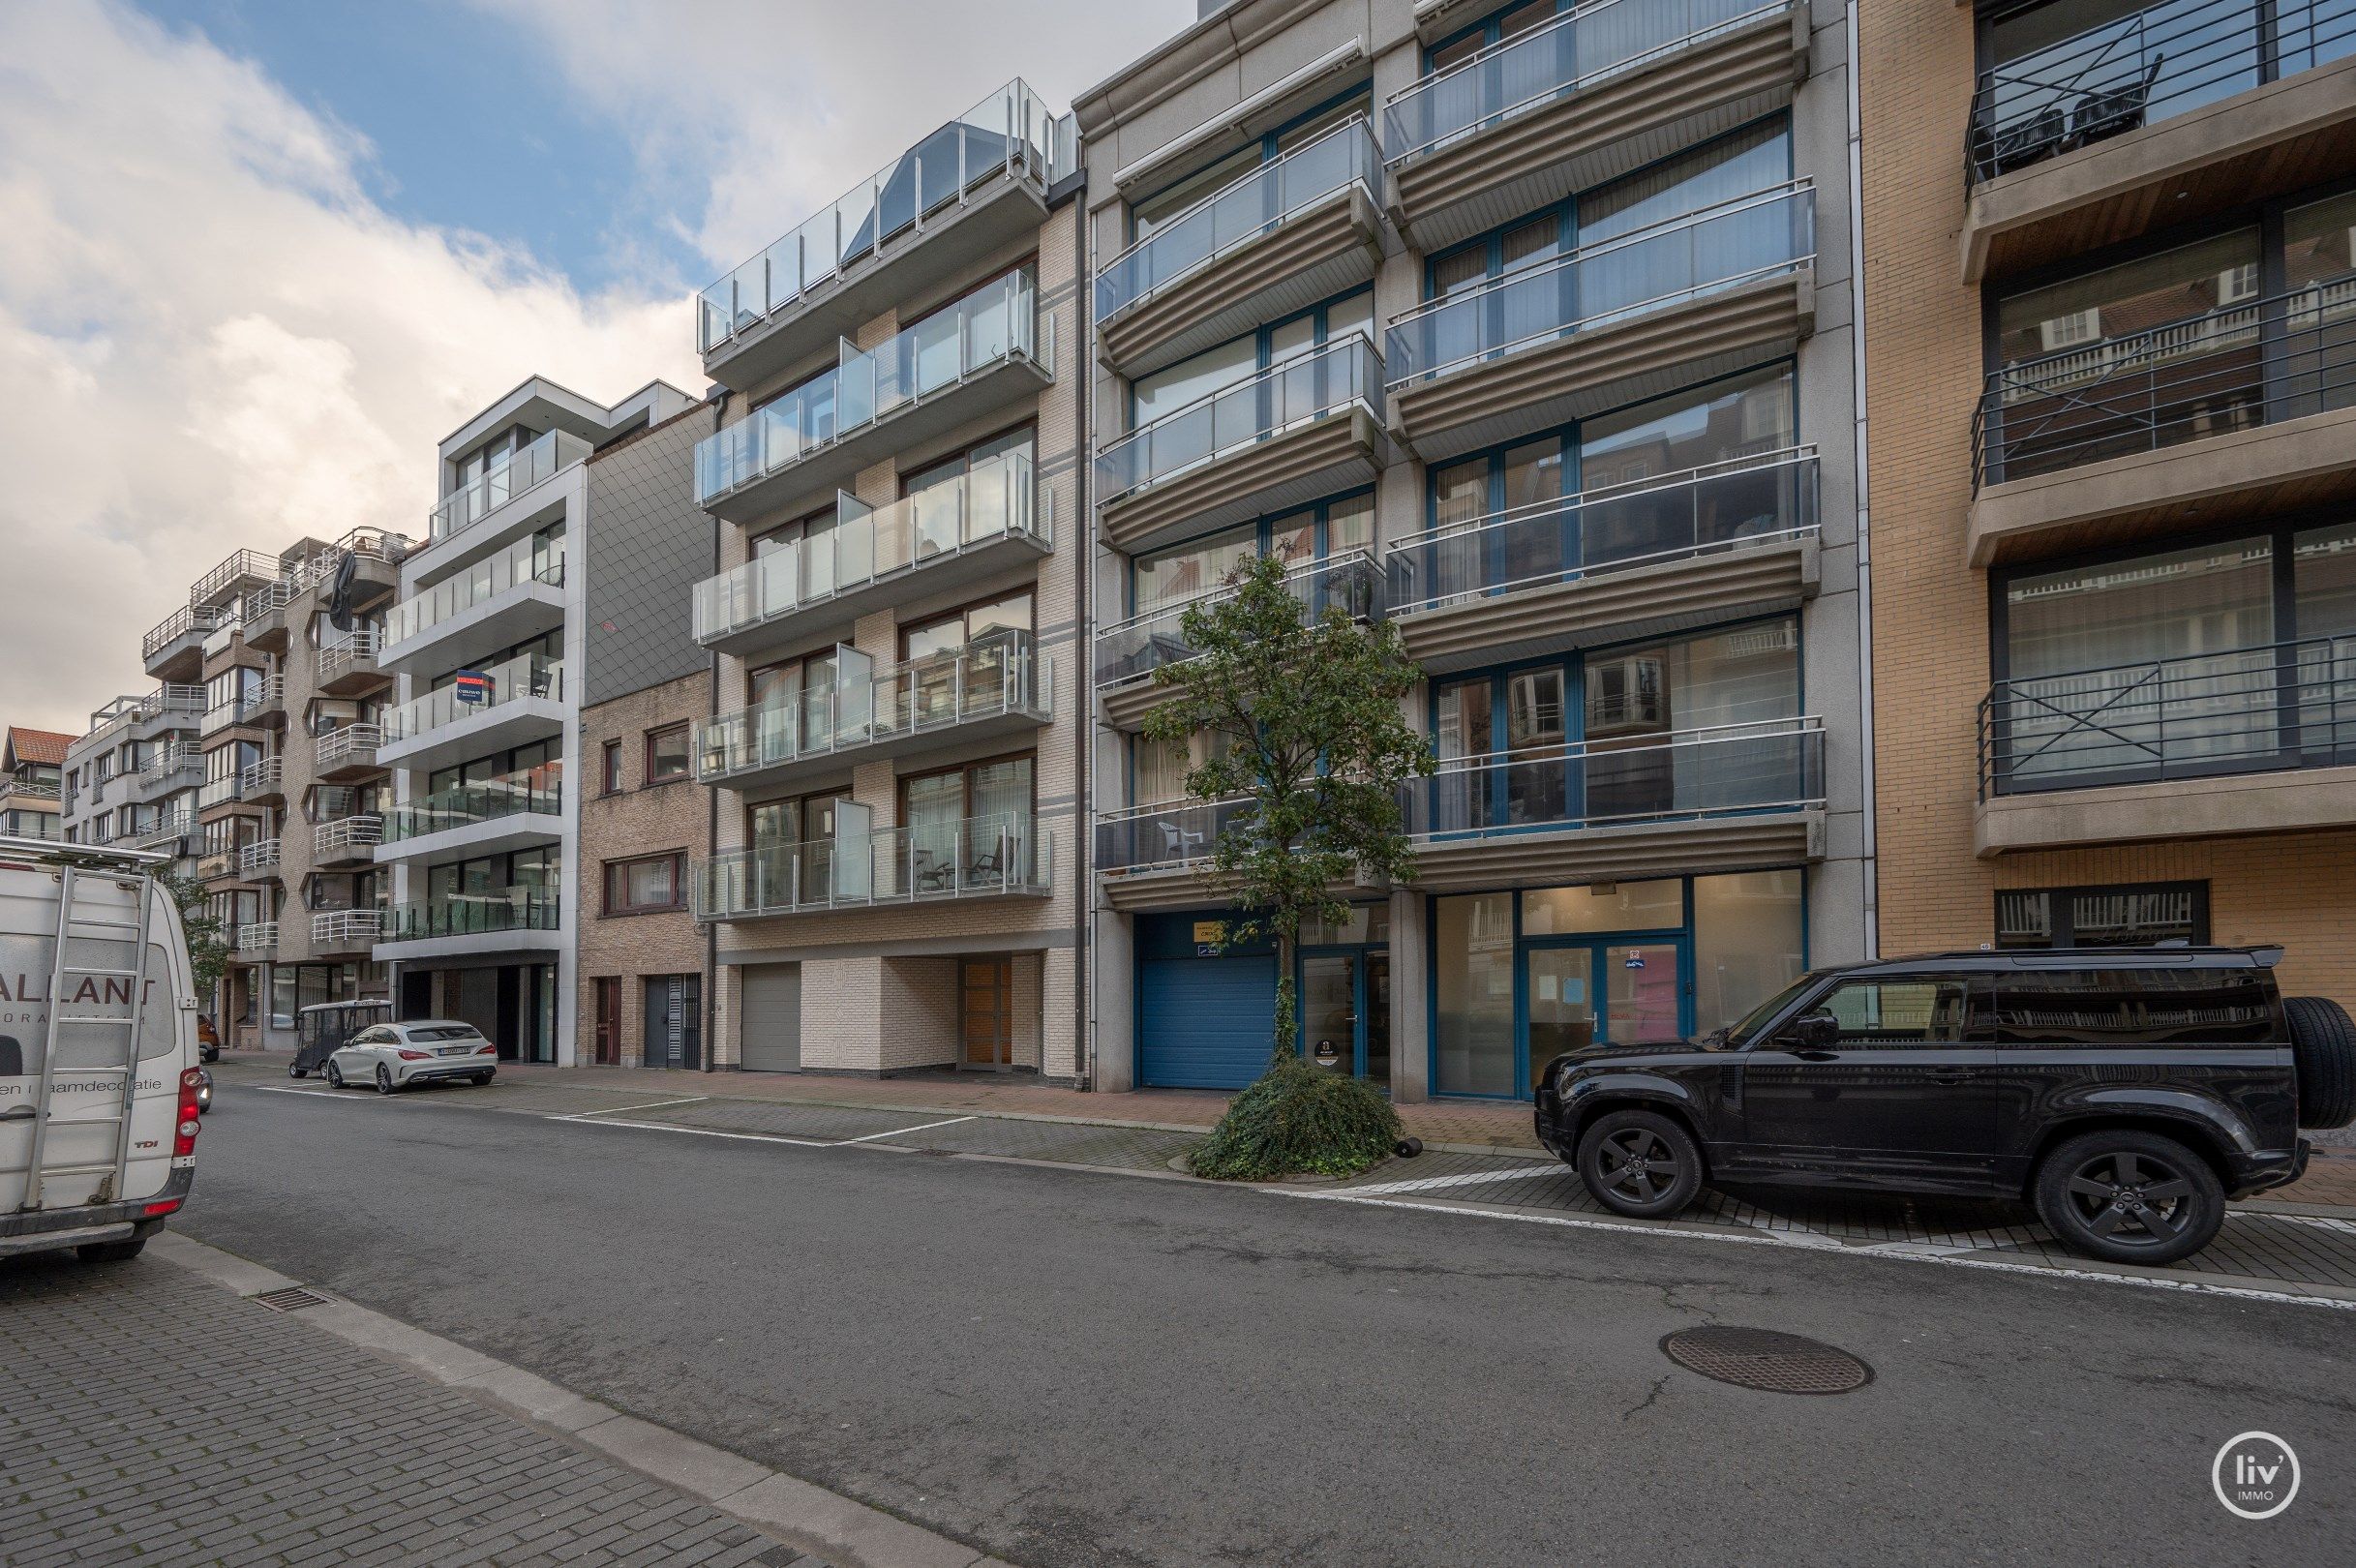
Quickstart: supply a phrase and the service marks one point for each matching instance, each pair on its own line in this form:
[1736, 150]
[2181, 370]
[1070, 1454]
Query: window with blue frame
[1490, 30]
[1153, 212]
[1170, 576]
[1239, 360]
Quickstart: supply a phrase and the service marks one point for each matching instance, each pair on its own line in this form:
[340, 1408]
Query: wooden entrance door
[609, 1021]
[986, 995]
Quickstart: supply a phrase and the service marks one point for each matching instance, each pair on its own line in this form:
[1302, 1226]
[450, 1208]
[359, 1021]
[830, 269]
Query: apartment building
[32, 775]
[482, 731]
[896, 610]
[2111, 351]
[1527, 327]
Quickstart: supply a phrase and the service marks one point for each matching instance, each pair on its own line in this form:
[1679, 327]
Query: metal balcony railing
[993, 501]
[461, 508]
[540, 790]
[271, 598]
[263, 777]
[1259, 202]
[39, 788]
[1166, 835]
[188, 620]
[1575, 52]
[346, 927]
[265, 694]
[527, 561]
[2271, 708]
[1008, 132]
[170, 759]
[1766, 234]
[472, 914]
[260, 855]
[2144, 68]
[217, 587]
[342, 838]
[348, 743]
[999, 675]
[1133, 650]
[980, 857]
[346, 651]
[2254, 363]
[1283, 398]
[530, 676]
[1774, 765]
[994, 324]
[168, 826]
[1743, 501]
[257, 937]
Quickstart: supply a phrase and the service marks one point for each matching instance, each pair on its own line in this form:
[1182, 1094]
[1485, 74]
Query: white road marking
[900, 1131]
[1912, 1252]
[336, 1094]
[616, 1110]
[699, 1131]
[1469, 1179]
[2345, 1227]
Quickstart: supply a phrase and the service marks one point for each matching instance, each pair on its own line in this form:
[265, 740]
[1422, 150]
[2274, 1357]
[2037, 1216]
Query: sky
[258, 256]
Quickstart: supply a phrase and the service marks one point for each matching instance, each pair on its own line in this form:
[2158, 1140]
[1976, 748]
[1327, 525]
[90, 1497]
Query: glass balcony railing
[1721, 770]
[540, 790]
[1008, 132]
[997, 676]
[530, 676]
[2271, 708]
[980, 857]
[1253, 206]
[1134, 649]
[992, 501]
[1277, 401]
[1166, 835]
[472, 914]
[993, 323]
[527, 561]
[1762, 235]
[2143, 68]
[1741, 501]
[468, 504]
[1575, 52]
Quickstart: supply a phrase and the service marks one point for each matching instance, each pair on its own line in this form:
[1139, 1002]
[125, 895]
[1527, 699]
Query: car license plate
[453, 1050]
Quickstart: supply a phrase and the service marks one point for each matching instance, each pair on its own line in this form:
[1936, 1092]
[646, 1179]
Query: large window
[1238, 359]
[646, 884]
[667, 761]
[1169, 203]
[1163, 577]
[2126, 914]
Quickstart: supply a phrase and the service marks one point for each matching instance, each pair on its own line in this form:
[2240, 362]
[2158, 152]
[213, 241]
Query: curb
[794, 1512]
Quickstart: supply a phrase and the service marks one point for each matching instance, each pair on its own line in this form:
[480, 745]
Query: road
[1079, 1370]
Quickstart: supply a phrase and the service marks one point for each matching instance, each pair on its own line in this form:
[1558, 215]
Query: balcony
[347, 754]
[345, 838]
[1293, 432]
[170, 759]
[263, 703]
[1689, 299]
[259, 858]
[174, 649]
[219, 588]
[1718, 543]
[218, 792]
[258, 939]
[493, 603]
[493, 817]
[262, 616]
[1127, 653]
[465, 511]
[1154, 857]
[345, 930]
[1591, 95]
[983, 176]
[348, 664]
[2251, 407]
[25, 785]
[501, 920]
[260, 782]
[1731, 797]
[1000, 856]
[165, 831]
[167, 707]
[1304, 227]
[525, 702]
[2257, 741]
[2156, 118]
[814, 589]
[997, 688]
[981, 356]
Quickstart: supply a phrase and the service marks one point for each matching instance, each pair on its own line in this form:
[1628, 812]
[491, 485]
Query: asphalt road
[1086, 1371]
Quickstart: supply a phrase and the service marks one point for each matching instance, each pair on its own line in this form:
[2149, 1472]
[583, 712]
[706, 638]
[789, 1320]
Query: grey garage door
[772, 1017]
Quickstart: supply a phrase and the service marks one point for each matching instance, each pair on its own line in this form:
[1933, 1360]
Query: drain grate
[292, 1299]
[1767, 1360]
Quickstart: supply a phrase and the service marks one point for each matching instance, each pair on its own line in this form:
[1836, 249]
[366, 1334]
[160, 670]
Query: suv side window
[2136, 1007]
[1894, 1014]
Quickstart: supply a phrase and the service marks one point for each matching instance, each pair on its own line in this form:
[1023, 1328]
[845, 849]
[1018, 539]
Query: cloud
[211, 339]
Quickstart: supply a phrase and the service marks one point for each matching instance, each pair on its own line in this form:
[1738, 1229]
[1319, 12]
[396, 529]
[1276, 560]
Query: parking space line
[1475, 1178]
[590, 1119]
[616, 1110]
[899, 1131]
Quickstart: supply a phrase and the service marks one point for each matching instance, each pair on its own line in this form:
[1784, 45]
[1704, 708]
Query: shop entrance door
[1604, 991]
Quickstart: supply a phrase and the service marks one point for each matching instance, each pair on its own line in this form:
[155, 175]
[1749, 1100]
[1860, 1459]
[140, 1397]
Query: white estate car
[396, 1055]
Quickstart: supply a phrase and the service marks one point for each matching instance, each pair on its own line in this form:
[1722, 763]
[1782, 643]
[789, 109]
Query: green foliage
[208, 948]
[1301, 715]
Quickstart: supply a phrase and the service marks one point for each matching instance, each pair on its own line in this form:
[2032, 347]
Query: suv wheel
[2323, 1054]
[2129, 1197]
[1640, 1163]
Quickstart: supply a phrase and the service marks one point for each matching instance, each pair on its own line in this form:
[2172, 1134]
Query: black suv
[2127, 1092]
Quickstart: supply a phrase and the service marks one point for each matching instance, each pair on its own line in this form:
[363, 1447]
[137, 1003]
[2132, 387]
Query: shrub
[1297, 1119]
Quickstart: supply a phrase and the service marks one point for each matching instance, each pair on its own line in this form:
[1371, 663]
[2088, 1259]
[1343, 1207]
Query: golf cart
[324, 1028]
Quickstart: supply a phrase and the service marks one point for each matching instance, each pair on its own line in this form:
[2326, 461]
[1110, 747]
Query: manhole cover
[293, 1298]
[1763, 1359]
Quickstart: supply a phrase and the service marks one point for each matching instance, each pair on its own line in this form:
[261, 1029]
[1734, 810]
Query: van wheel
[114, 1251]
[1640, 1163]
[2129, 1197]
[2323, 1055]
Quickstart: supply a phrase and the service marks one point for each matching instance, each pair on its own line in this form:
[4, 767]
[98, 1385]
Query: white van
[98, 1050]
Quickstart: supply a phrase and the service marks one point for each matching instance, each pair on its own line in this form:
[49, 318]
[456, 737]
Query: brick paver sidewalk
[147, 1415]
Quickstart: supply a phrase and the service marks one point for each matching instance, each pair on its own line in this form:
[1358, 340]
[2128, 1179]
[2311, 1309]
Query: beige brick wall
[635, 820]
[1930, 656]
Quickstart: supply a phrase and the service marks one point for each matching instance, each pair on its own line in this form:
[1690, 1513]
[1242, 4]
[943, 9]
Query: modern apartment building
[481, 733]
[2111, 350]
[898, 613]
[32, 773]
[1527, 327]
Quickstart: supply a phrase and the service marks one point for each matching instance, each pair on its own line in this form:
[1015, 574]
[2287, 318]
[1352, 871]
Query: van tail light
[413, 1056]
[166, 1206]
[184, 1135]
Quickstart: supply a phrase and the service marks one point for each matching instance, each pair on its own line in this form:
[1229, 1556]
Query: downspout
[1083, 994]
[1870, 862]
[712, 799]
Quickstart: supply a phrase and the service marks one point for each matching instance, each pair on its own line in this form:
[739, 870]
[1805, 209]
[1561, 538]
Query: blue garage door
[1204, 1023]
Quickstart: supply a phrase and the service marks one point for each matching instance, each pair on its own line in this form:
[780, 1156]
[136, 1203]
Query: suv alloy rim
[2117, 1195]
[1636, 1163]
